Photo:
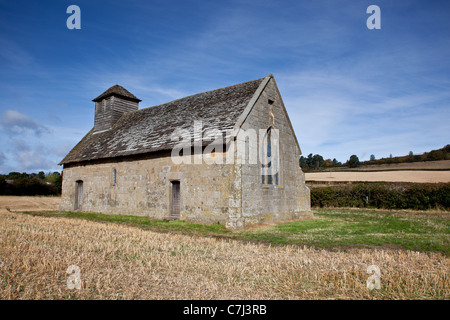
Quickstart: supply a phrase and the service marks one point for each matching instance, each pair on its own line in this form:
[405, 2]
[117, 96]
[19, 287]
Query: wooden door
[175, 199]
[79, 196]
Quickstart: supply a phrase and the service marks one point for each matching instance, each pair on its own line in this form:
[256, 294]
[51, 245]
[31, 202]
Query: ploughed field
[128, 261]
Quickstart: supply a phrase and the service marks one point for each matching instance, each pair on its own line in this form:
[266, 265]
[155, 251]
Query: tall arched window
[270, 158]
[114, 177]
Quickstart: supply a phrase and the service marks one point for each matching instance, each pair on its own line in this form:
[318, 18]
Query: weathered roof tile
[150, 129]
[117, 90]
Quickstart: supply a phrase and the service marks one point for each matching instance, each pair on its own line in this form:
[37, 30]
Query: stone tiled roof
[150, 129]
[117, 90]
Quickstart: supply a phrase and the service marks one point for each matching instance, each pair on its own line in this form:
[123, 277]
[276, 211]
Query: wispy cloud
[62, 149]
[14, 122]
[30, 158]
[14, 54]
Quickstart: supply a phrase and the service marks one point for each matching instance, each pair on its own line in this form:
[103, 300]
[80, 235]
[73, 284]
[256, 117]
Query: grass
[344, 228]
[144, 223]
[337, 228]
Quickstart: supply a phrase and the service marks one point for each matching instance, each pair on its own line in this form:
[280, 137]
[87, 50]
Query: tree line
[31, 184]
[433, 155]
[317, 162]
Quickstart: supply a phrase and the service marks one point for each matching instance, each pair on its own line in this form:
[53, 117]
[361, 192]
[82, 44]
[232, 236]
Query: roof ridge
[199, 93]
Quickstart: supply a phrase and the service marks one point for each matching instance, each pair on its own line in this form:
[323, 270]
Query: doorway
[78, 195]
[175, 211]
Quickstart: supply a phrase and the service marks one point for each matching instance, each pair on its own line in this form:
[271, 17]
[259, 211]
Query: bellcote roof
[117, 90]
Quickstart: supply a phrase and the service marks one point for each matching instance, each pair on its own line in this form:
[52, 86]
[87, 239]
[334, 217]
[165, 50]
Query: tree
[317, 161]
[27, 186]
[310, 161]
[58, 183]
[328, 163]
[336, 163]
[372, 157]
[41, 175]
[410, 157]
[436, 155]
[303, 163]
[353, 162]
[3, 184]
[14, 175]
[313, 161]
[389, 160]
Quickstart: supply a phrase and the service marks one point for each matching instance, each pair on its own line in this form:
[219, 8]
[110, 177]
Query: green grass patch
[331, 228]
[344, 228]
[145, 223]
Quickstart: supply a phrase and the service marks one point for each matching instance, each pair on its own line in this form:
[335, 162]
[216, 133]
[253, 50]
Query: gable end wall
[291, 198]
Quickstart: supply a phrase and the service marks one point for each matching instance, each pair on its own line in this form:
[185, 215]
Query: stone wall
[209, 193]
[231, 193]
[290, 198]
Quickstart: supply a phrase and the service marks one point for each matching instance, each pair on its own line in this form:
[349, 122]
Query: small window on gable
[270, 101]
[270, 158]
[114, 177]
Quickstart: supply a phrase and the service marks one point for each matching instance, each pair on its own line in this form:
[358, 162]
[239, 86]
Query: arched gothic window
[270, 163]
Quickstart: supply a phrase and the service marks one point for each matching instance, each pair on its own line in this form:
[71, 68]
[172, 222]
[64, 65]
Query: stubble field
[29, 203]
[386, 176]
[125, 262]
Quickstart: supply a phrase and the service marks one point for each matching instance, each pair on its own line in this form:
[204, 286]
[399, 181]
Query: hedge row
[28, 187]
[383, 196]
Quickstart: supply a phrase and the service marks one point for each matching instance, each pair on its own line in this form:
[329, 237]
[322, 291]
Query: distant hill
[418, 165]
[434, 160]
[433, 155]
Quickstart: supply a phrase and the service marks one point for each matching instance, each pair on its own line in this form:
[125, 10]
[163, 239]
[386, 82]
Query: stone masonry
[230, 193]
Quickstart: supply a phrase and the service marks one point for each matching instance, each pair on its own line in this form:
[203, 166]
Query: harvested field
[122, 262]
[28, 203]
[386, 176]
[421, 165]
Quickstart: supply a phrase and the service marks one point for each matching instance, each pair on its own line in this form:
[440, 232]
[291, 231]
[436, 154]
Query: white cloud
[14, 122]
[62, 150]
[29, 158]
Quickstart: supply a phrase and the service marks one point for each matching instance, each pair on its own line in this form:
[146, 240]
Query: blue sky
[348, 90]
